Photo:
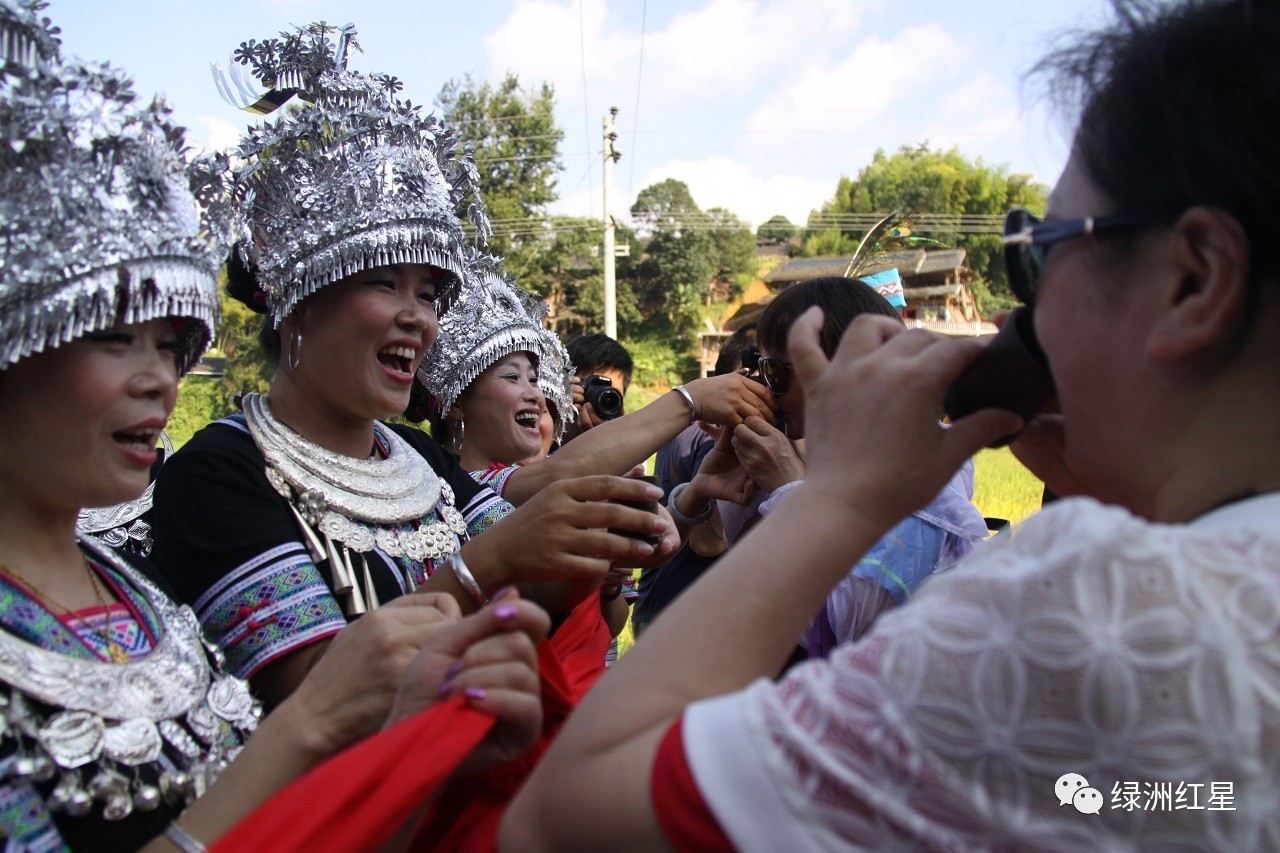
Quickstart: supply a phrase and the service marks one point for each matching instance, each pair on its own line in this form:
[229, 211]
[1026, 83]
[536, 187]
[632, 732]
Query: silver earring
[459, 436]
[295, 349]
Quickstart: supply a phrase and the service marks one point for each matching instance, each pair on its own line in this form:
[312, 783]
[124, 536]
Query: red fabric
[358, 798]
[677, 803]
[466, 817]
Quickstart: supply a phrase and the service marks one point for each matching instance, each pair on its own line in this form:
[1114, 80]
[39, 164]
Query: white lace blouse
[1143, 657]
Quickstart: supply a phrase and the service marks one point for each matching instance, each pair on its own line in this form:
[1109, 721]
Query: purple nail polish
[502, 593]
[505, 611]
[452, 672]
[475, 693]
[446, 688]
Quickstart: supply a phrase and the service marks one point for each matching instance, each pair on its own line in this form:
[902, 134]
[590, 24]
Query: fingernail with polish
[452, 672]
[446, 688]
[475, 693]
[505, 612]
[502, 593]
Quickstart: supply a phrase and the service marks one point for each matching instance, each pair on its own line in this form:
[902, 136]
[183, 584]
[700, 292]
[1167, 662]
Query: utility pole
[611, 156]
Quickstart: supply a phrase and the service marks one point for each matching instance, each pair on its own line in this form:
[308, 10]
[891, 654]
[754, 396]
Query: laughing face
[502, 410]
[82, 420]
[362, 340]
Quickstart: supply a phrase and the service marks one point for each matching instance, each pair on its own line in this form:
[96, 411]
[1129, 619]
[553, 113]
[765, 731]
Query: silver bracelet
[468, 580]
[182, 839]
[701, 518]
[688, 398]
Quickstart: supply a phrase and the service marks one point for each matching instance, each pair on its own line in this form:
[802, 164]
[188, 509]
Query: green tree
[679, 259]
[777, 228]
[517, 150]
[248, 368]
[735, 249]
[923, 180]
[573, 270]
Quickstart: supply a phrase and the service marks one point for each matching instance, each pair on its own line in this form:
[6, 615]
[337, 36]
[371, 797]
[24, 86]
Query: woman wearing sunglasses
[932, 539]
[1107, 677]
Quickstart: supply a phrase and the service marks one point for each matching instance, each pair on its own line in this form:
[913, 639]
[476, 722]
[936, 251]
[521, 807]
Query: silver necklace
[170, 712]
[398, 505]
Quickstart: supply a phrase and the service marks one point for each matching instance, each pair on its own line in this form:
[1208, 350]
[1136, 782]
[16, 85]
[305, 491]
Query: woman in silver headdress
[496, 322]
[279, 523]
[115, 714]
[494, 368]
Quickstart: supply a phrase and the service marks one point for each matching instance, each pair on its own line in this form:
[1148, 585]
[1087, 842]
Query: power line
[635, 121]
[586, 125]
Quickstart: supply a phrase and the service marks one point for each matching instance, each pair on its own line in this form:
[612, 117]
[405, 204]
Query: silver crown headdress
[351, 179]
[98, 221]
[26, 39]
[555, 372]
[492, 319]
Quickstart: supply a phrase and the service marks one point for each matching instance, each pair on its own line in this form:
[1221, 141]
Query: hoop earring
[456, 438]
[295, 349]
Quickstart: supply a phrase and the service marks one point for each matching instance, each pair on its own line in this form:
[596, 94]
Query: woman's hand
[348, 692]
[489, 659]
[563, 532]
[766, 454]
[721, 475]
[884, 389]
[730, 399]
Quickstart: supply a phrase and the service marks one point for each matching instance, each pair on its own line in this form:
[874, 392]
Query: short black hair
[730, 357]
[1170, 99]
[590, 353]
[841, 299]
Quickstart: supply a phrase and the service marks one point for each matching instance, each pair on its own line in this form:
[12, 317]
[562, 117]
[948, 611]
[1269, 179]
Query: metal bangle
[183, 840]
[701, 518]
[688, 398]
[468, 580]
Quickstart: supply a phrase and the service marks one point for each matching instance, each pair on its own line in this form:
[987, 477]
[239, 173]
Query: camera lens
[603, 397]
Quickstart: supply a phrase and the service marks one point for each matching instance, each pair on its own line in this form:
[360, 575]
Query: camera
[1012, 373]
[603, 397]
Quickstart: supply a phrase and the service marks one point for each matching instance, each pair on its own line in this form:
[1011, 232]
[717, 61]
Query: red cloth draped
[358, 798]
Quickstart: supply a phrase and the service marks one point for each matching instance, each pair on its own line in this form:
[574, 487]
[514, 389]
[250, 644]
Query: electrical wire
[586, 124]
[635, 113]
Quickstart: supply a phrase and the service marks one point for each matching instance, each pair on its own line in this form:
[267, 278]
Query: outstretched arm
[616, 446]
[749, 602]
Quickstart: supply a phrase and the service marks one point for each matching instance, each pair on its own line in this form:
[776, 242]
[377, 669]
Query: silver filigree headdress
[98, 221]
[492, 319]
[26, 39]
[350, 177]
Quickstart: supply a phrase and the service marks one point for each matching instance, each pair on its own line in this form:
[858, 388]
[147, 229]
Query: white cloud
[716, 182]
[212, 133]
[718, 47]
[862, 103]
[723, 182]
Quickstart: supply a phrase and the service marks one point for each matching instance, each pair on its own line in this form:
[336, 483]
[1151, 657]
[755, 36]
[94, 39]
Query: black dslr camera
[603, 397]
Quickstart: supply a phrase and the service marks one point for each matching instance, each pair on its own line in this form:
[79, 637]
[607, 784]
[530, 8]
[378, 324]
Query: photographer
[603, 374]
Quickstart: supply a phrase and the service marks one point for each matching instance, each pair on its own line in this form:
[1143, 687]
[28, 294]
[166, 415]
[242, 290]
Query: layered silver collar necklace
[169, 714]
[398, 504]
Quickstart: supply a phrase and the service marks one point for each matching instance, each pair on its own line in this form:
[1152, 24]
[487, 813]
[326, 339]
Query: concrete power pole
[611, 156]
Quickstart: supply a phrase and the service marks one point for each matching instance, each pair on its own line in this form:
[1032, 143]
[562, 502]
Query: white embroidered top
[1143, 657]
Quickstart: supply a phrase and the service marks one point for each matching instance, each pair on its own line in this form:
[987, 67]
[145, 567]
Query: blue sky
[758, 105]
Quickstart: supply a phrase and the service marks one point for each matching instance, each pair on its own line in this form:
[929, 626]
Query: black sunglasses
[775, 370]
[1027, 239]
